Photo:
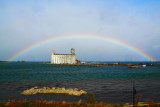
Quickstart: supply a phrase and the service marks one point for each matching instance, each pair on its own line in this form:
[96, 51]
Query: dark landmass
[112, 64]
[3, 61]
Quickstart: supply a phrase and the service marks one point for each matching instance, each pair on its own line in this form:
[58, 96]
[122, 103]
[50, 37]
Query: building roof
[63, 54]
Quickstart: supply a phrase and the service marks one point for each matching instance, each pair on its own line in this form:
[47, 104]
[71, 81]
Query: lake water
[113, 84]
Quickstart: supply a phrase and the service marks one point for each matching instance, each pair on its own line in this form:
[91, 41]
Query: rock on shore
[69, 91]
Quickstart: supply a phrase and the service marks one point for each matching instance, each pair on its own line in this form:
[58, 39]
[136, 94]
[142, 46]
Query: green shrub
[2, 105]
[91, 98]
[26, 104]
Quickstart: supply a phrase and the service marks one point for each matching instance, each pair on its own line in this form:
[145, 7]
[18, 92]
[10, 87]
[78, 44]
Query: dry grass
[43, 103]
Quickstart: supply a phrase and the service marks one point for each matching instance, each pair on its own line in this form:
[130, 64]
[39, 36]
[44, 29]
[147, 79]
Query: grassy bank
[43, 103]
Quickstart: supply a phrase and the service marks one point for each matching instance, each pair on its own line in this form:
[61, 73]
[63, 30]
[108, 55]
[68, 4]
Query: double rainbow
[84, 36]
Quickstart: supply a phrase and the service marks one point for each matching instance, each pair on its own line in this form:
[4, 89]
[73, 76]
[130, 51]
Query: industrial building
[63, 58]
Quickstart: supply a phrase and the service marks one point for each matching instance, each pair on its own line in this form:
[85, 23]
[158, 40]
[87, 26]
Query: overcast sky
[26, 22]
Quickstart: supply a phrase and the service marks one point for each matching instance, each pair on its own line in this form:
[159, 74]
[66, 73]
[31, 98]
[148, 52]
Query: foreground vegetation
[43, 103]
[90, 102]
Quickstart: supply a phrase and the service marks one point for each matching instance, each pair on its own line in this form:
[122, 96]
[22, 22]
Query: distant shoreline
[141, 63]
[113, 64]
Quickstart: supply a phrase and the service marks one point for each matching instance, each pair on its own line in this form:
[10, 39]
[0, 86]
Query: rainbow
[84, 36]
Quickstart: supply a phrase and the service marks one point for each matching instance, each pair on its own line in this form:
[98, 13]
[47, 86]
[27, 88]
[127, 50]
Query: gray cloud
[28, 22]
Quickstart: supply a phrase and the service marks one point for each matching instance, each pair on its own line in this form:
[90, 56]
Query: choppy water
[112, 84]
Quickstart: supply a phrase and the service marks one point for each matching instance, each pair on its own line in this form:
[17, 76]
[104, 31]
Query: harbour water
[109, 83]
